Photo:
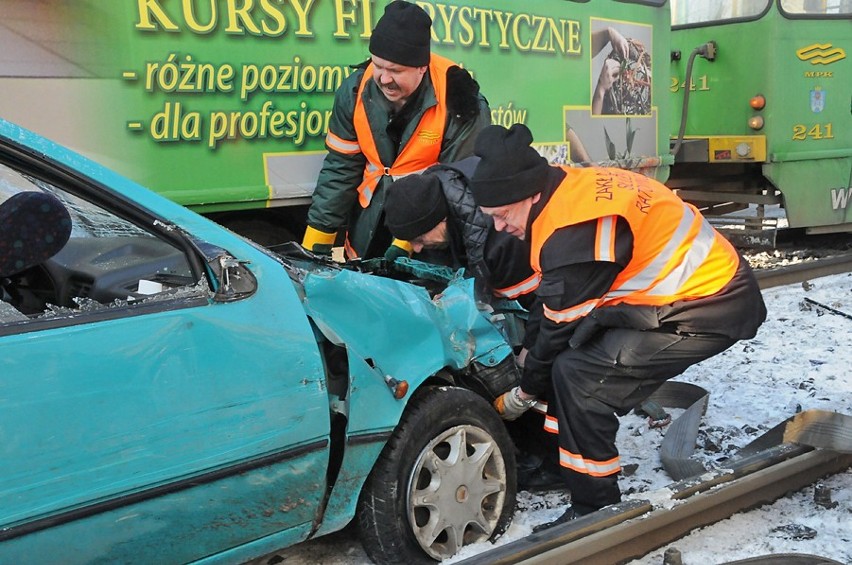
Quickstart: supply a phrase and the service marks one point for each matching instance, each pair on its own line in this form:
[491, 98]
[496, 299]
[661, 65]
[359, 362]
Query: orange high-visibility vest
[422, 149]
[677, 255]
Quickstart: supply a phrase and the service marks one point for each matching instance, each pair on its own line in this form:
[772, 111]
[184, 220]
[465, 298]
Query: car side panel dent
[363, 441]
[391, 328]
[358, 461]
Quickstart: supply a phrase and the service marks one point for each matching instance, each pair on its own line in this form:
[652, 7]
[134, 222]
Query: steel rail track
[792, 455]
[801, 272]
[634, 528]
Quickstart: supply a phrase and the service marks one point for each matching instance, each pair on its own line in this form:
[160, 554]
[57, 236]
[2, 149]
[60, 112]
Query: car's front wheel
[445, 479]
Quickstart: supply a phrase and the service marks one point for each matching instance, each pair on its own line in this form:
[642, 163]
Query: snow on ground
[799, 360]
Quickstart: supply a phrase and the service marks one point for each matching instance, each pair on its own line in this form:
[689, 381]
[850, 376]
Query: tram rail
[801, 272]
[793, 455]
[633, 528]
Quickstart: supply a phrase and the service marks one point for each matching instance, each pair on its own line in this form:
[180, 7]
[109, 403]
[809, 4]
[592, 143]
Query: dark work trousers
[605, 378]
[528, 434]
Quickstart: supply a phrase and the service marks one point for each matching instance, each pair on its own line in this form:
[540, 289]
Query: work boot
[573, 511]
[567, 516]
[536, 473]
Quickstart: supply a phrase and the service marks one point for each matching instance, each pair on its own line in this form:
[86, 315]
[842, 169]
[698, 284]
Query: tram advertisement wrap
[223, 104]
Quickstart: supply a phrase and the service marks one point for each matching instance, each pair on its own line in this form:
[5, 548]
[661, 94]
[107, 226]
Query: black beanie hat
[402, 35]
[510, 170]
[414, 205]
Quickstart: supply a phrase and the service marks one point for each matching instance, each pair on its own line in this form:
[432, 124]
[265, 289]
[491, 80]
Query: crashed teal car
[172, 393]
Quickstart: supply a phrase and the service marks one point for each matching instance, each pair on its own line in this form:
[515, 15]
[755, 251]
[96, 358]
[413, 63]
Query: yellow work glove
[510, 406]
[398, 248]
[318, 241]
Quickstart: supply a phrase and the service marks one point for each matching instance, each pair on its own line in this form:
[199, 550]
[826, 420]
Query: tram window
[715, 11]
[817, 7]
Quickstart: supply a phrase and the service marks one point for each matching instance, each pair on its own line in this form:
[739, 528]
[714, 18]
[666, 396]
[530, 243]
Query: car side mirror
[236, 281]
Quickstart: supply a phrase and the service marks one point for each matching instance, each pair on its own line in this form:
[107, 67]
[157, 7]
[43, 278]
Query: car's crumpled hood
[405, 333]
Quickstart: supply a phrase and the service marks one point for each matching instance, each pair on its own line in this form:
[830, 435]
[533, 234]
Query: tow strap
[679, 441]
[815, 428]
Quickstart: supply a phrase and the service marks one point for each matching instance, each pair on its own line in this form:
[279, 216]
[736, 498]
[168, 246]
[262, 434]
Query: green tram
[223, 105]
[760, 111]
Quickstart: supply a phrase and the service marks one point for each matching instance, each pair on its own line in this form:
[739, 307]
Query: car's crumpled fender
[391, 328]
[399, 327]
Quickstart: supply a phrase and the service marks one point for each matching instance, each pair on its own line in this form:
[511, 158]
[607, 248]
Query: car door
[149, 413]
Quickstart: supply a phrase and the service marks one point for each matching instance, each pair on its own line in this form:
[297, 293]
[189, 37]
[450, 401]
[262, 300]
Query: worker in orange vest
[636, 286]
[436, 213]
[402, 111]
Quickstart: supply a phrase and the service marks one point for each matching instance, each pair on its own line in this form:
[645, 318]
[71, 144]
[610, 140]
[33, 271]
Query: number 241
[818, 131]
[676, 85]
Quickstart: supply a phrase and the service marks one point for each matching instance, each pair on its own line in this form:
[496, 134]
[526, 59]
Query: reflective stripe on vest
[677, 255]
[675, 279]
[523, 287]
[589, 466]
[342, 145]
[423, 147]
[571, 314]
[605, 239]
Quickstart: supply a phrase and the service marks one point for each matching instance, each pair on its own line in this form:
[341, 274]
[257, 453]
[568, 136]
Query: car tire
[451, 462]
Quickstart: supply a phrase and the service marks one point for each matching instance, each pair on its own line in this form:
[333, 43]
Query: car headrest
[34, 226]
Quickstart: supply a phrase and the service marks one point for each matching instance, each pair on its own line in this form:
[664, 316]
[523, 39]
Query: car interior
[61, 254]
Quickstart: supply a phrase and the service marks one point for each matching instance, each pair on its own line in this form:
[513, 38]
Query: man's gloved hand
[510, 405]
[398, 248]
[318, 241]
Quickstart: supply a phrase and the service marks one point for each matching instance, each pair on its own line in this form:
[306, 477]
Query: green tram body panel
[803, 68]
[224, 105]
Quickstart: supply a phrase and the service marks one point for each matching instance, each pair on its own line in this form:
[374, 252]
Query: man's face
[436, 238]
[397, 82]
[512, 218]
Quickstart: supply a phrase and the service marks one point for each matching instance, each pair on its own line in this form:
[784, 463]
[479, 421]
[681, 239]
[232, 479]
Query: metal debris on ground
[828, 308]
